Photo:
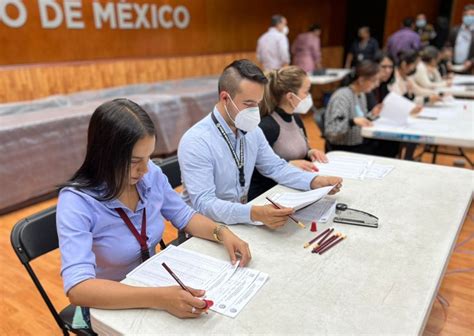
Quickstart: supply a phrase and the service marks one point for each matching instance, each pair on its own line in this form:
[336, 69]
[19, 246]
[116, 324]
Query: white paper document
[354, 168]
[321, 211]
[395, 110]
[229, 286]
[299, 200]
[378, 171]
[345, 167]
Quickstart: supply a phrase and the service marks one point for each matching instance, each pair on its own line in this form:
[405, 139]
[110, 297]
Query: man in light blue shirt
[461, 38]
[218, 155]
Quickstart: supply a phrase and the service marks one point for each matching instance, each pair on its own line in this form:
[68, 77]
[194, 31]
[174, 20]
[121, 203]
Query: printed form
[229, 286]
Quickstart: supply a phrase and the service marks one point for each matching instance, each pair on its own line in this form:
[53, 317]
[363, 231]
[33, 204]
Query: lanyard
[239, 162]
[141, 238]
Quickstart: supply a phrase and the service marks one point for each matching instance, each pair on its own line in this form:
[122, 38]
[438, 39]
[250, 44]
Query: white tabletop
[460, 88]
[453, 127]
[377, 281]
[332, 75]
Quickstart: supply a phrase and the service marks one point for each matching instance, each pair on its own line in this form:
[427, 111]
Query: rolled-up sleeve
[272, 166]
[74, 220]
[198, 178]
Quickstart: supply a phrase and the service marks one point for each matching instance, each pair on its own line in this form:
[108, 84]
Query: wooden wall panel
[36, 81]
[216, 26]
[397, 10]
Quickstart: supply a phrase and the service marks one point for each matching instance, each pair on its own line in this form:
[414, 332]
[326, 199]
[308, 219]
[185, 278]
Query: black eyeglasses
[386, 66]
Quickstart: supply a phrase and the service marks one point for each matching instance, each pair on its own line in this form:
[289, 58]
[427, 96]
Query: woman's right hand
[362, 122]
[435, 99]
[180, 303]
[304, 165]
[417, 109]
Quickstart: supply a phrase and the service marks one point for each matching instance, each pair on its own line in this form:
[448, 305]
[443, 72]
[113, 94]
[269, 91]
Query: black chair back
[31, 238]
[170, 167]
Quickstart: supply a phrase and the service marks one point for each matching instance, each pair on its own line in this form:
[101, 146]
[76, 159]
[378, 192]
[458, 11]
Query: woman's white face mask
[247, 119]
[304, 105]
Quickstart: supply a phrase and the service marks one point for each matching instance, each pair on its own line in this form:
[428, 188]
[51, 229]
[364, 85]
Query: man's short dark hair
[468, 7]
[314, 27]
[235, 72]
[276, 20]
[408, 22]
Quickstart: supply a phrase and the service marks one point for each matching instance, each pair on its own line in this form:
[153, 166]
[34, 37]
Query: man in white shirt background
[273, 49]
[461, 38]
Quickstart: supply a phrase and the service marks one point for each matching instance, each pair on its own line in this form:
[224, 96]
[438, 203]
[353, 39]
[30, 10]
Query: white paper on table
[354, 168]
[345, 167]
[301, 199]
[395, 109]
[320, 211]
[440, 112]
[378, 171]
[224, 283]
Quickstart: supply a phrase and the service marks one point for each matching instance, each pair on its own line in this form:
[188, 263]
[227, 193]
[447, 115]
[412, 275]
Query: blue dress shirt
[211, 177]
[96, 243]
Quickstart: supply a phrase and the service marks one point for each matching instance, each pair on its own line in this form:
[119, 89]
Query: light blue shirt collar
[226, 127]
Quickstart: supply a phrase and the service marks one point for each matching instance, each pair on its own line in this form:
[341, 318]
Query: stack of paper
[353, 168]
[300, 200]
[229, 286]
[321, 211]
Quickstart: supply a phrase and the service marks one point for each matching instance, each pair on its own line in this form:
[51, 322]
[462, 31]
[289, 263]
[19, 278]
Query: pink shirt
[273, 49]
[306, 51]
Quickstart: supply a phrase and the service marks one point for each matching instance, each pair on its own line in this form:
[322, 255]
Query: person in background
[347, 112]
[405, 85]
[110, 218]
[273, 46]
[306, 49]
[442, 32]
[425, 30]
[461, 39]
[386, 78]
[218, 155]
[287, 95]
[427, 75]
[403, 39]
[445, 62]
[384, 148]
[365, 47]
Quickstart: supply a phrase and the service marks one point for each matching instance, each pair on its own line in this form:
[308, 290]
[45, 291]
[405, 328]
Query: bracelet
[216, 231]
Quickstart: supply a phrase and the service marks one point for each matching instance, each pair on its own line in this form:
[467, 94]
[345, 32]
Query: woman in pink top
[306, 49]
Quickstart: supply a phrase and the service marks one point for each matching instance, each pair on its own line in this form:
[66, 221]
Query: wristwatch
[216, 231]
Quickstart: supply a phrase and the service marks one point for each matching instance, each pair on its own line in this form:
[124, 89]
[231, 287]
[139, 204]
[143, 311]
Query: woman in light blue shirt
[110, 217]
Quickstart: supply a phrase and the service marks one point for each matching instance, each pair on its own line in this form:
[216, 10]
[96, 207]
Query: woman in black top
[287, 94]
[364, 48]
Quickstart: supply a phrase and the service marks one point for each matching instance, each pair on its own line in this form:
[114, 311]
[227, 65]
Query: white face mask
[246, 120]
[286, 30]
[304, 105]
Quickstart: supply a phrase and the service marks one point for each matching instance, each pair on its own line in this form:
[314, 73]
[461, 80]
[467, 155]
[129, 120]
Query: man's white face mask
[247, 119]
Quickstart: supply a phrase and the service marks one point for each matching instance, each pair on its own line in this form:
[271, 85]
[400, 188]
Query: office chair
[31, 238]
[170, 167]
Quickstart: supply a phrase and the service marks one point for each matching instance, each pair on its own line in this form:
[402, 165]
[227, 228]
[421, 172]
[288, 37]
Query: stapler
[346, 215]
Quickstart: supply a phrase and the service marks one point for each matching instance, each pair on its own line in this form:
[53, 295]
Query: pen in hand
[209, 303]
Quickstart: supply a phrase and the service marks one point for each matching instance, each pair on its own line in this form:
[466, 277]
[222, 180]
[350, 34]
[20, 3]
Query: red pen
[209, 303]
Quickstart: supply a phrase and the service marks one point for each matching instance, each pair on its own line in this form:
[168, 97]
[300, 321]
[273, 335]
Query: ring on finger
[193, 310]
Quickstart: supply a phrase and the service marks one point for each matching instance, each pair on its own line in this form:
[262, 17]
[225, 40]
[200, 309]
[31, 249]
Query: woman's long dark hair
[114, 129]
